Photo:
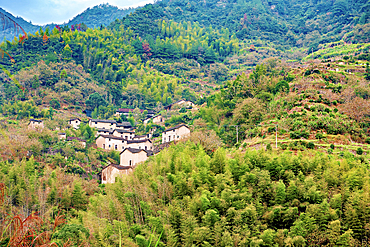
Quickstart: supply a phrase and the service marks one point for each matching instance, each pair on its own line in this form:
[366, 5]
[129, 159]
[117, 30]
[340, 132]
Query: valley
[198, 123]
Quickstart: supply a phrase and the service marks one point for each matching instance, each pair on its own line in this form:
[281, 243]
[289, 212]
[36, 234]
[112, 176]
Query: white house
[145, 144]
[110, 142]
[156, 120]
[75, 122]
[109, 173]
[102, 124]
[180, 103]
[35, 124]
[128, 134]
[133, 156]
[176, 133]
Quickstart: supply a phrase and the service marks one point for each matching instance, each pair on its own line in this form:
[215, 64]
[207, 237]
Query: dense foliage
[184, 197]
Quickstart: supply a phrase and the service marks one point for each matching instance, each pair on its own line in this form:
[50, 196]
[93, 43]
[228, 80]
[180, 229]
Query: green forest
[279, 150]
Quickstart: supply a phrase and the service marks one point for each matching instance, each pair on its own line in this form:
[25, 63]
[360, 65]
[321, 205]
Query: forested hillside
[279, 115]
[286, 23]
[100, 15]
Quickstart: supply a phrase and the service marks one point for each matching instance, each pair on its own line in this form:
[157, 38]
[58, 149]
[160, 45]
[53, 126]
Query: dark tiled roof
[141, 136]
[113, 137]
[105, 130]
[35, 120]
[103, 121]
[119, 167]
[137, 150]
[124, 131]
[133, 150]
[124, 124]
[138, 141]
[176, 127]
[72, 119]
[126, 110]
[70, 138]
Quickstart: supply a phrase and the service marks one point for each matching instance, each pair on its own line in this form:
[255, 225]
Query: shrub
[294, 135]
[310, 145]
[284, 146]
[335, 110]
[332, 146]
[359, 151]
[319, 136]
[367, 140]
[334, 102]
[330, 151]
[298, 134]
[55, 103]
[268, 147]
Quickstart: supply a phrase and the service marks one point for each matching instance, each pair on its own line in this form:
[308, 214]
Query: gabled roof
[124, 131]
[72, 119]
[176, 127]
[112, 137]
[71, 138]
[35, 120]
[159, 115]
[137, 150]
[127, 110]
[106, 130]
[103, 121]
[138, 141]
[140, 136]
[124, 124]
[168, 106]
[119, 167]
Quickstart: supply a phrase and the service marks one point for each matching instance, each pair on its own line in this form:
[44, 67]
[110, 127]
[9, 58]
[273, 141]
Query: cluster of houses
[134, 149]
[112, 135]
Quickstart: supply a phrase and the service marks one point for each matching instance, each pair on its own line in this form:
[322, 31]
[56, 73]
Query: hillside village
[187, 123]
[134, 149]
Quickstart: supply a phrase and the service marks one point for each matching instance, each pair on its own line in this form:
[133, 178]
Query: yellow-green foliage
[234, 198]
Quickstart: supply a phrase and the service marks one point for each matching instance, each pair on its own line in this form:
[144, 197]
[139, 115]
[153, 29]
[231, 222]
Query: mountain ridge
[90, 16]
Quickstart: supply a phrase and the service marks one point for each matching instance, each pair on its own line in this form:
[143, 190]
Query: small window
[130, 163]
[109, 145]
[115, 147]
[76, 121]
[103, 146]
[145, 147]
